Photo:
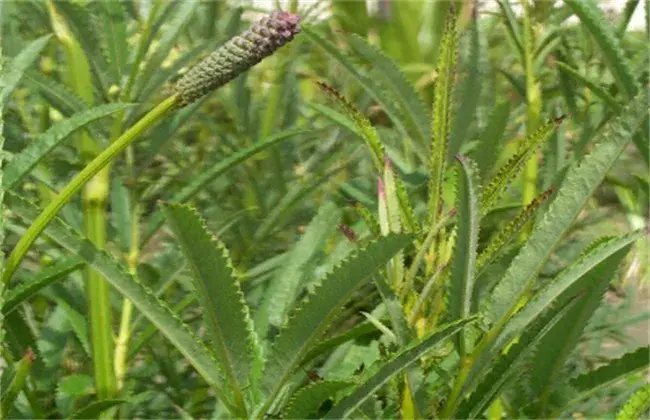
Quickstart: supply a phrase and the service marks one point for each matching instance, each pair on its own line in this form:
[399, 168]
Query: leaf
[615, 370]
[310, 398]
[311, 319]
[593, 86]
[592, 17]
[23, 162]
[515, 165]
[442, 97]
[210, 174]
[389, 369]
[143, 299]
[505, 235]
[115, 37]
[507, 368]
[512, 25]
[95, 409]
[636, 406]
[490, 139]
[287, 284]
[415, 114]
[369, 85]
[225, 312]
[59, 96]
[19, 65]
[580, 182]
[362, 124]
[14, 297]
[561, 340]
[463, 266]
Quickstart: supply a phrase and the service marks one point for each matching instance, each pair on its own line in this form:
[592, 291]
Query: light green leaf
[311, 319]
[14, 297]
[397, 364]
[19, 65]
[95, 409]
[27, 159]
[636, 406]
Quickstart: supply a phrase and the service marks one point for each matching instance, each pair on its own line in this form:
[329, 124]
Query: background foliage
[421, 209]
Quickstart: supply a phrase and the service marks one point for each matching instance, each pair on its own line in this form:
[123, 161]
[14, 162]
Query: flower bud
[237, 56]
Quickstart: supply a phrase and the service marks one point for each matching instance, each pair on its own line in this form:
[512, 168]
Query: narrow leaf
[397, 364]
[580, 182]
[309, 399]
[225, 312]
[636, 406]
[19, 65]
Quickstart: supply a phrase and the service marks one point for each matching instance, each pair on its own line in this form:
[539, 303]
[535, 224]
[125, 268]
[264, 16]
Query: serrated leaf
[310, 398]
[490, 139]
[312, 318]
[16, 69]
[508, 366]
[115, 37]
[440, 128]
[593, 86]
[143, 299]
[369, 85]
[286, 284]
[561, 340]
[14, 297]
[59, 96]
[636, 406]
[592, 17]
[225, 312]
[463, 266]
[23, 162]
[514, 166]
[391, 368]
[613, 371]
[505, 235]
[580, 182]
[415, 114]
[362, 124]
[208, 175]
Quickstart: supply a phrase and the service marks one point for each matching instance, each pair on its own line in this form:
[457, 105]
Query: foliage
[426, 210]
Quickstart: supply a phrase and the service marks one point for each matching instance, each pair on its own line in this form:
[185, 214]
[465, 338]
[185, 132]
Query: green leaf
[23, 162]
[115, 37]
[312, 318]
[17, 384]
[636, 406]
[369, 85]
[570, 282]
[143, 299]
[514, 166]
[561, 340]
[309, 399]
[442, 97]
[20, 63]
[593, 86]
[211, 173]
[512, 25]
[58, 95]
[415, 114]
[508, 367]
[592, 17]
[505, 235]
[490, 139]
[14, 297]
[95, 409]
[397, 364]
[588, 383]
[463, 266]
[225, 312]
[580, 182]
[287, 284]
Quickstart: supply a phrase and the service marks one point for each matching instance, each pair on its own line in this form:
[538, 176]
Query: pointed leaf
[636, 406]
[397, 364]
[312, 318]
[310, 398]
[580, 182]
[16, 69]
[225, 312]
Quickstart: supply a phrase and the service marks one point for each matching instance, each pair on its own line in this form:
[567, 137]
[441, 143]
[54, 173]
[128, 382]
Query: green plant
[467, 280]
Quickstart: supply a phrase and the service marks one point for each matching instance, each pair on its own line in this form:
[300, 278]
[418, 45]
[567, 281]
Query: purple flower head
[237, 56]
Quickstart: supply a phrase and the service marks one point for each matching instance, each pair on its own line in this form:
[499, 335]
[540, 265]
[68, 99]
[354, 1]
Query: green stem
[80, 180]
